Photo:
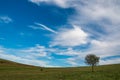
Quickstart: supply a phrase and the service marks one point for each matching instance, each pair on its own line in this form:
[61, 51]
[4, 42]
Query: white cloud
[38, 1]
[23, 60]
[41, 26]
[110, 61]
[37, 51]
[67, 52]
[34, 27]
[26, 56]
[97, 10]
[61, 3]
[70, 37]
[46, 28]
[5, 19]
[72, 61]
[1, 50]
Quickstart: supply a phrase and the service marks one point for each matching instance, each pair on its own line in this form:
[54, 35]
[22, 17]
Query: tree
[92, 60]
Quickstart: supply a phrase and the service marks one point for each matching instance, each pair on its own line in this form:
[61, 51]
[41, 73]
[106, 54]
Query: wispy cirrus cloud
[46, 28]
[5, 19]
[41, 26]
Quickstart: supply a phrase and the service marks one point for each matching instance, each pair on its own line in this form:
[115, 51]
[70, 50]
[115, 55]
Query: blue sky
[59, 33]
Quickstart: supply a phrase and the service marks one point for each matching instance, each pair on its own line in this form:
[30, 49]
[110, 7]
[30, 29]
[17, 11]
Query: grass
[14, 71]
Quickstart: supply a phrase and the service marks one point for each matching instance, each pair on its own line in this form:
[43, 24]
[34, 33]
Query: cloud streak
[46, 28]
[41, 26]
[5, 19]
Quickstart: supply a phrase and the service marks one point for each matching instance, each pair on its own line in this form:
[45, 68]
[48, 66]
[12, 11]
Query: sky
[59, 33]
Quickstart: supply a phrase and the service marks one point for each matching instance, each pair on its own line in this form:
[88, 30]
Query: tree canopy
[92, 60]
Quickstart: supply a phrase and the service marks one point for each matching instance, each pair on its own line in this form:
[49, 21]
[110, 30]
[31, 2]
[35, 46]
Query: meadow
[14, 71]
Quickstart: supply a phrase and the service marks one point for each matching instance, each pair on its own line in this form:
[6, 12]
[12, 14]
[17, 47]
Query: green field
[14, 71]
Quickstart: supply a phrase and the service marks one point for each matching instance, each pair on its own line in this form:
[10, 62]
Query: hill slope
[14, 71]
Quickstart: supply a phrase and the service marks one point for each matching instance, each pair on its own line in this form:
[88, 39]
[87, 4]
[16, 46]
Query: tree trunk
[92, 68]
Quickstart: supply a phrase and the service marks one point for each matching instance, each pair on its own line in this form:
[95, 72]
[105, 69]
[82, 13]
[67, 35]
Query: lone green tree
[92, 60]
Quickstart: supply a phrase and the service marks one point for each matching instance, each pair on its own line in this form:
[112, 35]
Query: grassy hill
[14, 71]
